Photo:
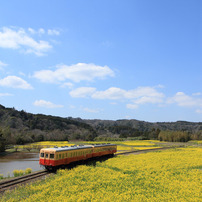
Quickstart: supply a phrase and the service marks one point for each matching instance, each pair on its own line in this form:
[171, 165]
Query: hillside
[20, 127]
[135, 128]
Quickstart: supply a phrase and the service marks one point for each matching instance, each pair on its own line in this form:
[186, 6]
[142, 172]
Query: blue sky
[111, 59]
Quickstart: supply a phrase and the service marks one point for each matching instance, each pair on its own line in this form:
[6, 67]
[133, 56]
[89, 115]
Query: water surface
[19, 161]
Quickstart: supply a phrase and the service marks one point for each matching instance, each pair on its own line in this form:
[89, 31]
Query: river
[19, 161]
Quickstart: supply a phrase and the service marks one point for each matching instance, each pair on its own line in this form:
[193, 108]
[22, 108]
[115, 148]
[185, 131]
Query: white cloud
[46, 104]
[68, 84]
[2, 65]
[42, 31]
[112, 93]
[76, 73]
[32, 31]
[146, 91]
[184, 100]
[82, 92]
[5, 94]
[147, 99]
[53, 32]
[19, 39]
[140, 95]
[15, 82]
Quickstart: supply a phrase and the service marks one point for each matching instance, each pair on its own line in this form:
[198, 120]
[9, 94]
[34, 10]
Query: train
[53, 158]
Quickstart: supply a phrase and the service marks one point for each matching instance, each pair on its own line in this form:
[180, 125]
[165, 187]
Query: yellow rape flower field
[121, 145]
[169, 175]
[52, 143]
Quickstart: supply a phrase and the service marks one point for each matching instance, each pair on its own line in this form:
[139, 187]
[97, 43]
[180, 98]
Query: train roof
[75, 147]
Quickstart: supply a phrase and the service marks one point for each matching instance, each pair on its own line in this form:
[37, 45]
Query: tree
[174, 136]
[2, 143]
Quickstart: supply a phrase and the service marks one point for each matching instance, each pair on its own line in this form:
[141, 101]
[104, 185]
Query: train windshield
[42, 155]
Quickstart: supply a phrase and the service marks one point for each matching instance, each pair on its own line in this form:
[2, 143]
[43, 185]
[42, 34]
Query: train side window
[51, 156]
[42, 155]
[59, 156]
[46, 156]
[62, 156]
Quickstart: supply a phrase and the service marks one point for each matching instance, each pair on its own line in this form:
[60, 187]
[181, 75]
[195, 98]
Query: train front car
[52, 158]
[47, 158]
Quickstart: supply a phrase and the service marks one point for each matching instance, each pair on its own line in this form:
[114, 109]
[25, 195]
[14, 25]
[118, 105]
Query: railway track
[9, 184]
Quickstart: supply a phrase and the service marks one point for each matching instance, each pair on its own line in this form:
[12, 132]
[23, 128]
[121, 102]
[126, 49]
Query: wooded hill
[20, 127]
[141, 129]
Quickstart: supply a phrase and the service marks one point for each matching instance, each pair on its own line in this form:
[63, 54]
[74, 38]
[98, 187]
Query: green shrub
[28, 170]
[16, 173]
[21, 172]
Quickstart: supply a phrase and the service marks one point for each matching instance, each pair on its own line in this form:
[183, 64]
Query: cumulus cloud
[184, 100]
[15, 82]
[112, 93]
[82, 92]
[138, 96]
[20, 39]
[46, 104]
[76, 73]
[149, 99]
[67, 84]
[142, 94]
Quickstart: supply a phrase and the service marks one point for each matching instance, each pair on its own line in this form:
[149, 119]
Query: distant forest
[20, 127]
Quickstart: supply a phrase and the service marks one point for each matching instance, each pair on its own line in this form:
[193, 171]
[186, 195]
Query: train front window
[46, 155]
[42, 155]
[51, 156]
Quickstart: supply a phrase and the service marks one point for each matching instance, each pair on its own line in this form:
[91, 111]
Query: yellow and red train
[55, 157]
